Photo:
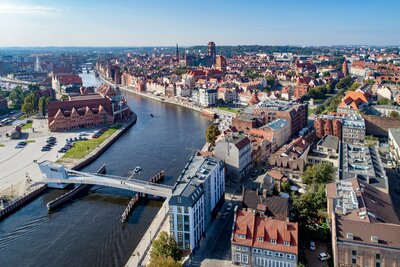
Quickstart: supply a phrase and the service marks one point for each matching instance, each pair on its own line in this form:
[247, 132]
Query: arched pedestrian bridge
[55, 174]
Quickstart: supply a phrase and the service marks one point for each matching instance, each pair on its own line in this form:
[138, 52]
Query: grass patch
[27, 126]
[84, 147]
[229, 109]
[30, 141]
[311, 110]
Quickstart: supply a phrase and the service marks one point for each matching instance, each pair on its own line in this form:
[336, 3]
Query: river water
[87, 231]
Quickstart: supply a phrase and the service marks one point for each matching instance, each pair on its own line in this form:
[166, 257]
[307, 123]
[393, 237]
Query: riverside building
[197, 193]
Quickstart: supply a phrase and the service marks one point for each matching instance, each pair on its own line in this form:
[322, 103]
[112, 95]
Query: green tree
[17, 97]
[310, 206]
[33, 87]
[27, 107]
[354, 86]
[285, 186]
[394, 115]
[165, 246]
[321, 173]
[384, 101]
[344, 83]
[42, 105]
[212, 134]
[30, 103]
[163, 262]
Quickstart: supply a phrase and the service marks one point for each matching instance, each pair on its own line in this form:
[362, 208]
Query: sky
[226, 22]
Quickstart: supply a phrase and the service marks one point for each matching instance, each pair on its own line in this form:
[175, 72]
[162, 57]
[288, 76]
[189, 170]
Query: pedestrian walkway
[141, 255]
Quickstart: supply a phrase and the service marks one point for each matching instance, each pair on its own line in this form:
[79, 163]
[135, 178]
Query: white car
[312, 245]
[324, 256]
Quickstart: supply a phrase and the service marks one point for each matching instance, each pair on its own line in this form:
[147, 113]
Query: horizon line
[188, 46]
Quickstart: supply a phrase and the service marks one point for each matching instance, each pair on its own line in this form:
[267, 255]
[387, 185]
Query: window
[378, 264]
[273, 241]
[238, 257]
[237, 248]
[261, 239]
[354, 261]
[286, 243]
[240, 236]
[245, 249]
[378, 256]
[354, 253]
[256, 250]
[245, 258]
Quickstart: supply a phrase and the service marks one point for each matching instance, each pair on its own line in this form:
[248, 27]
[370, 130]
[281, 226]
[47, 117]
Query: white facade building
[197, 193]
[204, 97]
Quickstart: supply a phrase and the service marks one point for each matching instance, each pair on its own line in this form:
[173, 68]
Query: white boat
[136, 170]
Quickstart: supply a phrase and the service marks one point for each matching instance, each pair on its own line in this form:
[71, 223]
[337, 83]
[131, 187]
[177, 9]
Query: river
[87, 232]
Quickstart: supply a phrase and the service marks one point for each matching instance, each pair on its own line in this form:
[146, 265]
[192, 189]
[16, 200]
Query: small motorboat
[151, 115]
[136, 170]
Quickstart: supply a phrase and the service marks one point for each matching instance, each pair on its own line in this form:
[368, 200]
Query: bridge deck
[76, 177]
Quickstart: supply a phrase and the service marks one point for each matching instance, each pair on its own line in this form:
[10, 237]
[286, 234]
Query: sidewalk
[141, 255]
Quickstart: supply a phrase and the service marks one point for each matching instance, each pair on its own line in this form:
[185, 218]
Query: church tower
[177, 53]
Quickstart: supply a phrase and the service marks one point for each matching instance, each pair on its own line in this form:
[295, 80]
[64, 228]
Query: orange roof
[353, 99]
[253, 227]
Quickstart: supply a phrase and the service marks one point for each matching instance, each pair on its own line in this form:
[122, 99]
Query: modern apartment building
[205, 97]
[197, 193]
[262, 241]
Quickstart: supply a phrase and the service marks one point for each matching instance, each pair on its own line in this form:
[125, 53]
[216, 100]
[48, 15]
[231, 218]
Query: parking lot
[312, 256]
[17, 164]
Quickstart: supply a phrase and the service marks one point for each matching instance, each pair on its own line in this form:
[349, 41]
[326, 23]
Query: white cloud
[26, 9]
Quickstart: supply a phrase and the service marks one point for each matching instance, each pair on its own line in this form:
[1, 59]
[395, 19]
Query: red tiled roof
[254, 226]
[69, 79]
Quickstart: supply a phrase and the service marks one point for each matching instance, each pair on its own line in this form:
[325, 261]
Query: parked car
[312, 245]
[324, 256]
[46, 148]
[229, 207]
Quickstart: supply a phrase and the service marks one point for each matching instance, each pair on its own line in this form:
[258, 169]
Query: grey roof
[239, 140]
[277, 124]
[189, 186]
[329, 141]
[364, 163]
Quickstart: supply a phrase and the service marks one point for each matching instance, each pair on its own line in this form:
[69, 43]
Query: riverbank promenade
[141, 255]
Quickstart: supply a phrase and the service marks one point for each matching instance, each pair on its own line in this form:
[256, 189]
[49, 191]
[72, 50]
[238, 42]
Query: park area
[233, 110]
[84, 147]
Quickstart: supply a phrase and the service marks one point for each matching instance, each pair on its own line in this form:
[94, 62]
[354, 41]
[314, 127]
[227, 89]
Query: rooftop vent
[374, 239]
[349, 236]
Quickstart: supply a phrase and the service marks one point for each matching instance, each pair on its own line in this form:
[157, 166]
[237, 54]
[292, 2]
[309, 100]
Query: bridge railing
[118, 178]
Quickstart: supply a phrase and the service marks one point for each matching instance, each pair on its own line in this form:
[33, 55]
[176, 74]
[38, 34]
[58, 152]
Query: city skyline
[42, 23]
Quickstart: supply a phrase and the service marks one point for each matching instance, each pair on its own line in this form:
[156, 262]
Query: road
[215, 248]
[18, 164]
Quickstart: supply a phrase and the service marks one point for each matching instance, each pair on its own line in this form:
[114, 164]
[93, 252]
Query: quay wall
[21, 201]
[104, 146]
[72, 193]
